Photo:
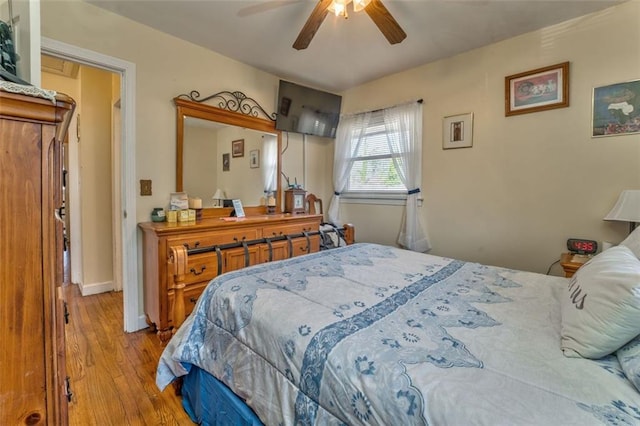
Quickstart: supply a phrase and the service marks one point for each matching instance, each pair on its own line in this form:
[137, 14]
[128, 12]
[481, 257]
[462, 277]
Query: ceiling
[345, 53]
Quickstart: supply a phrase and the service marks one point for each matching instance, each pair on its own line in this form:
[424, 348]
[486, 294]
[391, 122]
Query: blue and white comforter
[370, 334]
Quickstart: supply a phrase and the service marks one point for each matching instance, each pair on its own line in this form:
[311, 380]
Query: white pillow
[633, 242]
[601, 306]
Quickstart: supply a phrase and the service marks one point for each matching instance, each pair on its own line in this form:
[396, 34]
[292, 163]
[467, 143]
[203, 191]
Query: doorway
[124, 205]
[88, 177]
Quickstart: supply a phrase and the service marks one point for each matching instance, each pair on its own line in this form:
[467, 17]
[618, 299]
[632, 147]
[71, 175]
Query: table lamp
[218, 198]
[627, 208]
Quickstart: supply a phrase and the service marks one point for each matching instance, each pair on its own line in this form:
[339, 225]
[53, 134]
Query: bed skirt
[211, 403]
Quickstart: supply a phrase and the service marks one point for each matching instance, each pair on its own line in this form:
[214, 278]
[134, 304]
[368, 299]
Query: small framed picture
[457, 131]
[616, 109]
[237, 148]
[237, 208]
[226, 162]
[537, 90]
[254, 158]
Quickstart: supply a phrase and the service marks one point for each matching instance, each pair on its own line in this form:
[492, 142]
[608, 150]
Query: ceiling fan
[374, 8]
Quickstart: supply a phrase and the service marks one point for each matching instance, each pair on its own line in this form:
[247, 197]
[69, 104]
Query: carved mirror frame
[236, 109]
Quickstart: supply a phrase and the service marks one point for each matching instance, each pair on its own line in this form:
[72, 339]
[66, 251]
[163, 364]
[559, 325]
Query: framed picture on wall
[226, 162]
[537, 90]
[616, 109]
[237, 148]
[254, 158]
[457, 131]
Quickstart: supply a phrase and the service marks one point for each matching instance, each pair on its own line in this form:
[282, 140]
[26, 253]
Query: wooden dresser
[159, 237]
[33, 388]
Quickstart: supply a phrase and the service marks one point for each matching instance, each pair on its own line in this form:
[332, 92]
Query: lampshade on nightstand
[627, 208]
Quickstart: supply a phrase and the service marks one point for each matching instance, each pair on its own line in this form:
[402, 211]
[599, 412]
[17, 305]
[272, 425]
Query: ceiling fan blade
[311, 26]
[385, 22]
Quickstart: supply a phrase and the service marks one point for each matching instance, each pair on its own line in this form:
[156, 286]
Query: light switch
[145, 187]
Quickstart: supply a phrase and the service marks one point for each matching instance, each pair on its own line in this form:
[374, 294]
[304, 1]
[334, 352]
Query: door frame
[125, 219]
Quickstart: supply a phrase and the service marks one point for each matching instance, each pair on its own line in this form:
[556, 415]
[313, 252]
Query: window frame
[390, 197]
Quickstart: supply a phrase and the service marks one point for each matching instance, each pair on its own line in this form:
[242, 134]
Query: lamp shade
[219, 195]
[627, 208]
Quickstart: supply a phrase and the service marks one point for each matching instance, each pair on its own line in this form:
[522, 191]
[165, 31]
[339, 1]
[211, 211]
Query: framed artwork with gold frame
[537, 90]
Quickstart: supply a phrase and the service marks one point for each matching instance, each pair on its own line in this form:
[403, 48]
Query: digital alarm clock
[577, 245]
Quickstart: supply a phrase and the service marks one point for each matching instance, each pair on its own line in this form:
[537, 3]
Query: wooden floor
[112, 372]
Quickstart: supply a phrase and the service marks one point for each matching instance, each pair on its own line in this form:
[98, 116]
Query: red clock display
[577, 245]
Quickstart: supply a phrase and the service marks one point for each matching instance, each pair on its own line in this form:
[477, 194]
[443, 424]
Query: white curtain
[404, 123]
[269, 163]
[350, 129]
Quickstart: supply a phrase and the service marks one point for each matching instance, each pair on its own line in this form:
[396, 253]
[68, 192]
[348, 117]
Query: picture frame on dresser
[537, 90]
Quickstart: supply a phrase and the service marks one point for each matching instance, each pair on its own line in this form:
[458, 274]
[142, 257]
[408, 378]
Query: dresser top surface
[226, 222]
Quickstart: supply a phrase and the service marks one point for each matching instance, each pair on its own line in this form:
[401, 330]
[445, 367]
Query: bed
[371, 334]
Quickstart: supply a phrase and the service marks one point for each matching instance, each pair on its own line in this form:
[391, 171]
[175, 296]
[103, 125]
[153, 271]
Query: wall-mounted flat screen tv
[308, 111]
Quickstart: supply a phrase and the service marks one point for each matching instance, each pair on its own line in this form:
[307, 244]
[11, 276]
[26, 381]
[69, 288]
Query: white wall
[531, 181]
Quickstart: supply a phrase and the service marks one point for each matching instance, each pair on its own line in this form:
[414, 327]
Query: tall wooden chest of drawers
[32, 359]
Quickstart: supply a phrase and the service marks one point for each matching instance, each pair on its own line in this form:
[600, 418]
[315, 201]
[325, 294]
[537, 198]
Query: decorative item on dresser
[294, 201]
[34, 387]
[234, 246]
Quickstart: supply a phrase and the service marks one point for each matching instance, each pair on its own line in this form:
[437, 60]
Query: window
[374, 161]
[378, 155]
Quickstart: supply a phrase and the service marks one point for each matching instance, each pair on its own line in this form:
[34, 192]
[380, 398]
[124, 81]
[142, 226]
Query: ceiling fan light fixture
[339, 7]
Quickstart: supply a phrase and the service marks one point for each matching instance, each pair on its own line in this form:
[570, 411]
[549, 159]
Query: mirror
[221, 149]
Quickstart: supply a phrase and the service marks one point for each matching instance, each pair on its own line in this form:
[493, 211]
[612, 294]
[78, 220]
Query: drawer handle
[236, 239]
[66, 313]
[67, 389]
[194, 272]
[276, 235]
[193, 300]
[197, 243]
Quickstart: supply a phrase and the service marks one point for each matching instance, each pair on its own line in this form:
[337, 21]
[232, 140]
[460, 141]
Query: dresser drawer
[211, 239]
[202, 267]
[301, 246]
[280, 230]
[190, 297]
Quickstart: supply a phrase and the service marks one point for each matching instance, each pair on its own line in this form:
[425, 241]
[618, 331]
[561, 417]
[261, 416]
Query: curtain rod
[382, 109]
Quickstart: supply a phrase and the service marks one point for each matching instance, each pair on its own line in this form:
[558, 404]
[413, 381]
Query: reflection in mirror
[235, 152]
[248, 173]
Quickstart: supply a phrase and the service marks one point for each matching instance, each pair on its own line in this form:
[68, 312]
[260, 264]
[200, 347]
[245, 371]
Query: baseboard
[142, 322]
[95, 288]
